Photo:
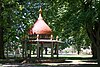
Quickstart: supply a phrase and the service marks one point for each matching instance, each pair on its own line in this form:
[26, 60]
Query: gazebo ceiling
[40, 27]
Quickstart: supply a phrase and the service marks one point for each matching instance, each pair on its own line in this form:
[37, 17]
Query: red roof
[40, 27]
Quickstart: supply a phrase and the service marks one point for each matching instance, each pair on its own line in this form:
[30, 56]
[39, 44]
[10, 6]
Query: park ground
[71, 60]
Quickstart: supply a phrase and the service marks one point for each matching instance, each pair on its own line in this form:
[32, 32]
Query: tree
[1, 32]
[66, 18]
[86, 12]
[80, 13]
[91, 8]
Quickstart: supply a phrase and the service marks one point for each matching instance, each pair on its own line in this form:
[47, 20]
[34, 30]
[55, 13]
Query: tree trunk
[78, 49]
[98, 55]
[94, 35]
[1, 44]
[78, 52]
[94, 51]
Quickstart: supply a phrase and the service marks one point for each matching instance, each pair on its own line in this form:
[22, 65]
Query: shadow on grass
[30, 62]
[64, 65]
[90, 61]
[33, 59]
[77, 65]
[79, 58]
[46, 65]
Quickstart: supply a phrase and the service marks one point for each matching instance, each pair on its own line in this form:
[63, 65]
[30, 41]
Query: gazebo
[41, 35]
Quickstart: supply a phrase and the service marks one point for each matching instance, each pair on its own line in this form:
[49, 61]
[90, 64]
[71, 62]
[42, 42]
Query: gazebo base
[49, 60]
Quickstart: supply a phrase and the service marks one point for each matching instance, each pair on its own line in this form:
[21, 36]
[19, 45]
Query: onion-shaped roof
[40, 27]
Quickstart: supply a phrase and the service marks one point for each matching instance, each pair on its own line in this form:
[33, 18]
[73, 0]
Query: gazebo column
[38, 49]
[52, 50]
[57, 45]
[51, 47]
[46, 50]
[41, 50]
[30, 48]
[57, 49]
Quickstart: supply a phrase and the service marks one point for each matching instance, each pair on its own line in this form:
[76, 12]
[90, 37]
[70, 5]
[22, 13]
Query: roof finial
[40, 13]
[40, 10]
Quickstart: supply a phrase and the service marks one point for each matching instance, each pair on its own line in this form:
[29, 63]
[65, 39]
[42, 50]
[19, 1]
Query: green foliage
[67, 18]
